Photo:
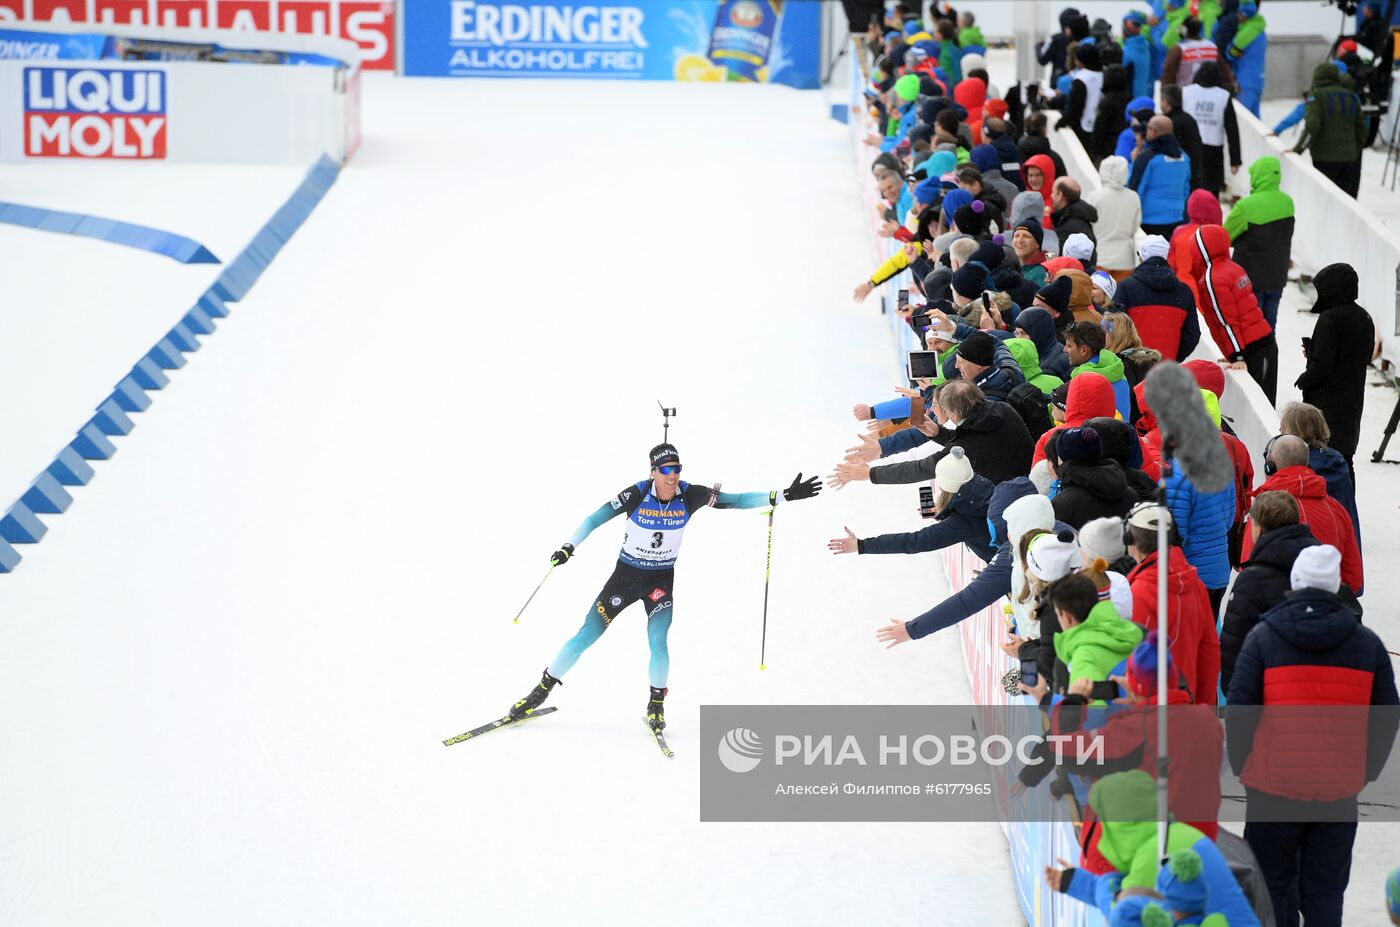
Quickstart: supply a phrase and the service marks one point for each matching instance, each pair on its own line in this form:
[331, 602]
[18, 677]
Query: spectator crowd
[1041, 310]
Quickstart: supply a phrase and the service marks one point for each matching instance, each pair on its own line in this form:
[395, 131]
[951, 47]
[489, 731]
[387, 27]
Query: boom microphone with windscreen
[1188, 434]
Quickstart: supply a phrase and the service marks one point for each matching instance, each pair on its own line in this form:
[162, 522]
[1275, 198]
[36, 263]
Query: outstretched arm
[606, 512]
[799, 489]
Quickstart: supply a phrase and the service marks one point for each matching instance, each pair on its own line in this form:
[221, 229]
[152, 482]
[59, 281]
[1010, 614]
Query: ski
[660, 738]
[507, 721]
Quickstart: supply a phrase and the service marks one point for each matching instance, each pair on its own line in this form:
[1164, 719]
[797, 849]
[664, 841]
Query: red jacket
[971, 94]
[1090, 396]
[1047, 170]
[1202, 208]
[1324, 516]
[1226, 296]
[1194, 644]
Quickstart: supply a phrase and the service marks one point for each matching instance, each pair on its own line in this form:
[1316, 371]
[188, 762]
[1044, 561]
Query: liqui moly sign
[94, 113]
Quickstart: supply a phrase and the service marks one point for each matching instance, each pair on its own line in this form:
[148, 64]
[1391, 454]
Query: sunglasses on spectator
[669, 469]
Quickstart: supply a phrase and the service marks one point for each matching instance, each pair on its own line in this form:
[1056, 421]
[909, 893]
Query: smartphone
[1030, 675]
[926, 509]
[922, 364]
[1105, 691]
[903, 300]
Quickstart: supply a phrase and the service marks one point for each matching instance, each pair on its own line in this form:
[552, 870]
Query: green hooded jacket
[1093, 647]
[1260, 227]
[1333, 124]
[1107, 365]
[1024, 351]
[1126, 804]
[972, 35]
[1175, 17]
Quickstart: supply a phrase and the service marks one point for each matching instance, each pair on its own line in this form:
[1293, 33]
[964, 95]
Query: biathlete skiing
[657, 511]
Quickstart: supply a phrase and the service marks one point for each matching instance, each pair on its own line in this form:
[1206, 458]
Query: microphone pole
[1163, 649]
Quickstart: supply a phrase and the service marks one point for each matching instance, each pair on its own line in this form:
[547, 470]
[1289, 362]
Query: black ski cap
[664, 454]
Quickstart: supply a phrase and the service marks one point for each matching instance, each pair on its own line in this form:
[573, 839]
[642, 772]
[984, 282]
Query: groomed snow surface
[228, 668]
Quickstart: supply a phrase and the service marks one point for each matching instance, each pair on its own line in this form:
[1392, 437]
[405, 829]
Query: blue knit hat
[1180, 883]
[1079, 445]
[927, 191]
[955, 199]
[1135, 16]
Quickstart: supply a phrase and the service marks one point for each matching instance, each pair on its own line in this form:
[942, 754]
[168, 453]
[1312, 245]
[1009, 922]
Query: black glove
[802, 489]
[562, 555]
[1066, 877]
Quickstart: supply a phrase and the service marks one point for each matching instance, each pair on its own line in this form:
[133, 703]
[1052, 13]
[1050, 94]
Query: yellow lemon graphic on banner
[697, 68]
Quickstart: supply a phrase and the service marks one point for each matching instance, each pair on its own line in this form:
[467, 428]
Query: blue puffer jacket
[1127, 141]
[1137, 59]
[1332, 467]
[1204, 521]
[1162, 180]
[963, 519]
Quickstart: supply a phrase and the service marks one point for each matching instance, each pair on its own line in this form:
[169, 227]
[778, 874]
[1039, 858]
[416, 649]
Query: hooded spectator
[1309, 424]
[1137, 54]
[1023, 349]
[1334, 128]
[1091, 486]
[1125, 804]
[1309, 650]
[1246, 51]
[1260, 226]
[960, 517]
[1089, 396]
[1160, 305]
[1036, 142]
[1161, 177]
[987, 161]
[971, 94]
[1338, 356]
[1288, 471]
[1006, 274]
[1054, 298]
[1121, 443]
[1085, 345]
[1080, 248]
[1186, 132]
[1202, 208]
[1232, 314]
[1209, 103]
[1039, 172]
[1119, 216]
[1070, 215]
[1111, 117]
[1039, 326]
[1195, 647]
[1263, 580]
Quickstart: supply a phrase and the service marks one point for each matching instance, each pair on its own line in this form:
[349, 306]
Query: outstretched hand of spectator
[908, 392]
[849, 544]
[1036, 692]
[849, 472]
[892, 634]
[862, 291]
[862, 412]
[1059, 878]
[867, 450]
[1012, 645]
[1084, 687]
[888, 228]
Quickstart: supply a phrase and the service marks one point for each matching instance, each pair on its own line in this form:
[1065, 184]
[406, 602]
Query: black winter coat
[994, 438]
[1089, 492]
[1263, 582]
[1335, 379]
[1078, 216]
[1188, 136]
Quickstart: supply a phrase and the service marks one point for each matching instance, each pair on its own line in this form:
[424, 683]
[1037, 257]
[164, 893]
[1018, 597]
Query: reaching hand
[1084, 687]
[862, 412]
[1037, 692]
[802, 489]
[909, 393]
[867, 450]
[895, 633]
[562, 555]
[1059, 879]
[862, 291]
[849, 472]
[846, 545]
[1012, 645]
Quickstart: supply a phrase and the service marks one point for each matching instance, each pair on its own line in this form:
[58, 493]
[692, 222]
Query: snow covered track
[239, 656]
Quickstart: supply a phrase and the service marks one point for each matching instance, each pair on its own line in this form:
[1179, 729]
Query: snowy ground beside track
[229, 666]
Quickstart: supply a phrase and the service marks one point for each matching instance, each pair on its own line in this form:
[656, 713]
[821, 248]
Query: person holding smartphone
[657, 510]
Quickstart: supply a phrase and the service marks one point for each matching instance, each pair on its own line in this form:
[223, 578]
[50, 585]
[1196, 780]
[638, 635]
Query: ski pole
[532, 595]
[767, 568]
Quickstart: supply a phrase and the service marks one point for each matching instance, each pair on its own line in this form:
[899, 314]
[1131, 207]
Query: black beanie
[1056, 293]
[979, 348]
[664, 454]
[969, 281]
[989, 254]
[1035, 230]
[972, 218]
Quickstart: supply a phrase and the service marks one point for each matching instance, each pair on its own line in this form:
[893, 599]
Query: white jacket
[1120, 215]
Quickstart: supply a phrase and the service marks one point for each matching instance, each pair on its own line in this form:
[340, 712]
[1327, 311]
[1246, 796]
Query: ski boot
[536, 697]
[656, 709]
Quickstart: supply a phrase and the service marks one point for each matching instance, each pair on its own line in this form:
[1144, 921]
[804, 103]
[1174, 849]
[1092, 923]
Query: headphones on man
[1270, 468]
[1144, 515]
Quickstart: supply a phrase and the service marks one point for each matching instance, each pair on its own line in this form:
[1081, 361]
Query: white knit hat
[953, 471]
[1102, 538]
[1105, 282]
[1079, 247]
[1317, 567]
[1050, 558]
[1153, 246]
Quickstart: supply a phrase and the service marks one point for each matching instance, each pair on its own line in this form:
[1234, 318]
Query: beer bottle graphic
[742, 38]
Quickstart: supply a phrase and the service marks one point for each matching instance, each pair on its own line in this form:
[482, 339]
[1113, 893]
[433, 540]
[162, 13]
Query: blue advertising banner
[754, 41]
[23, 44]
